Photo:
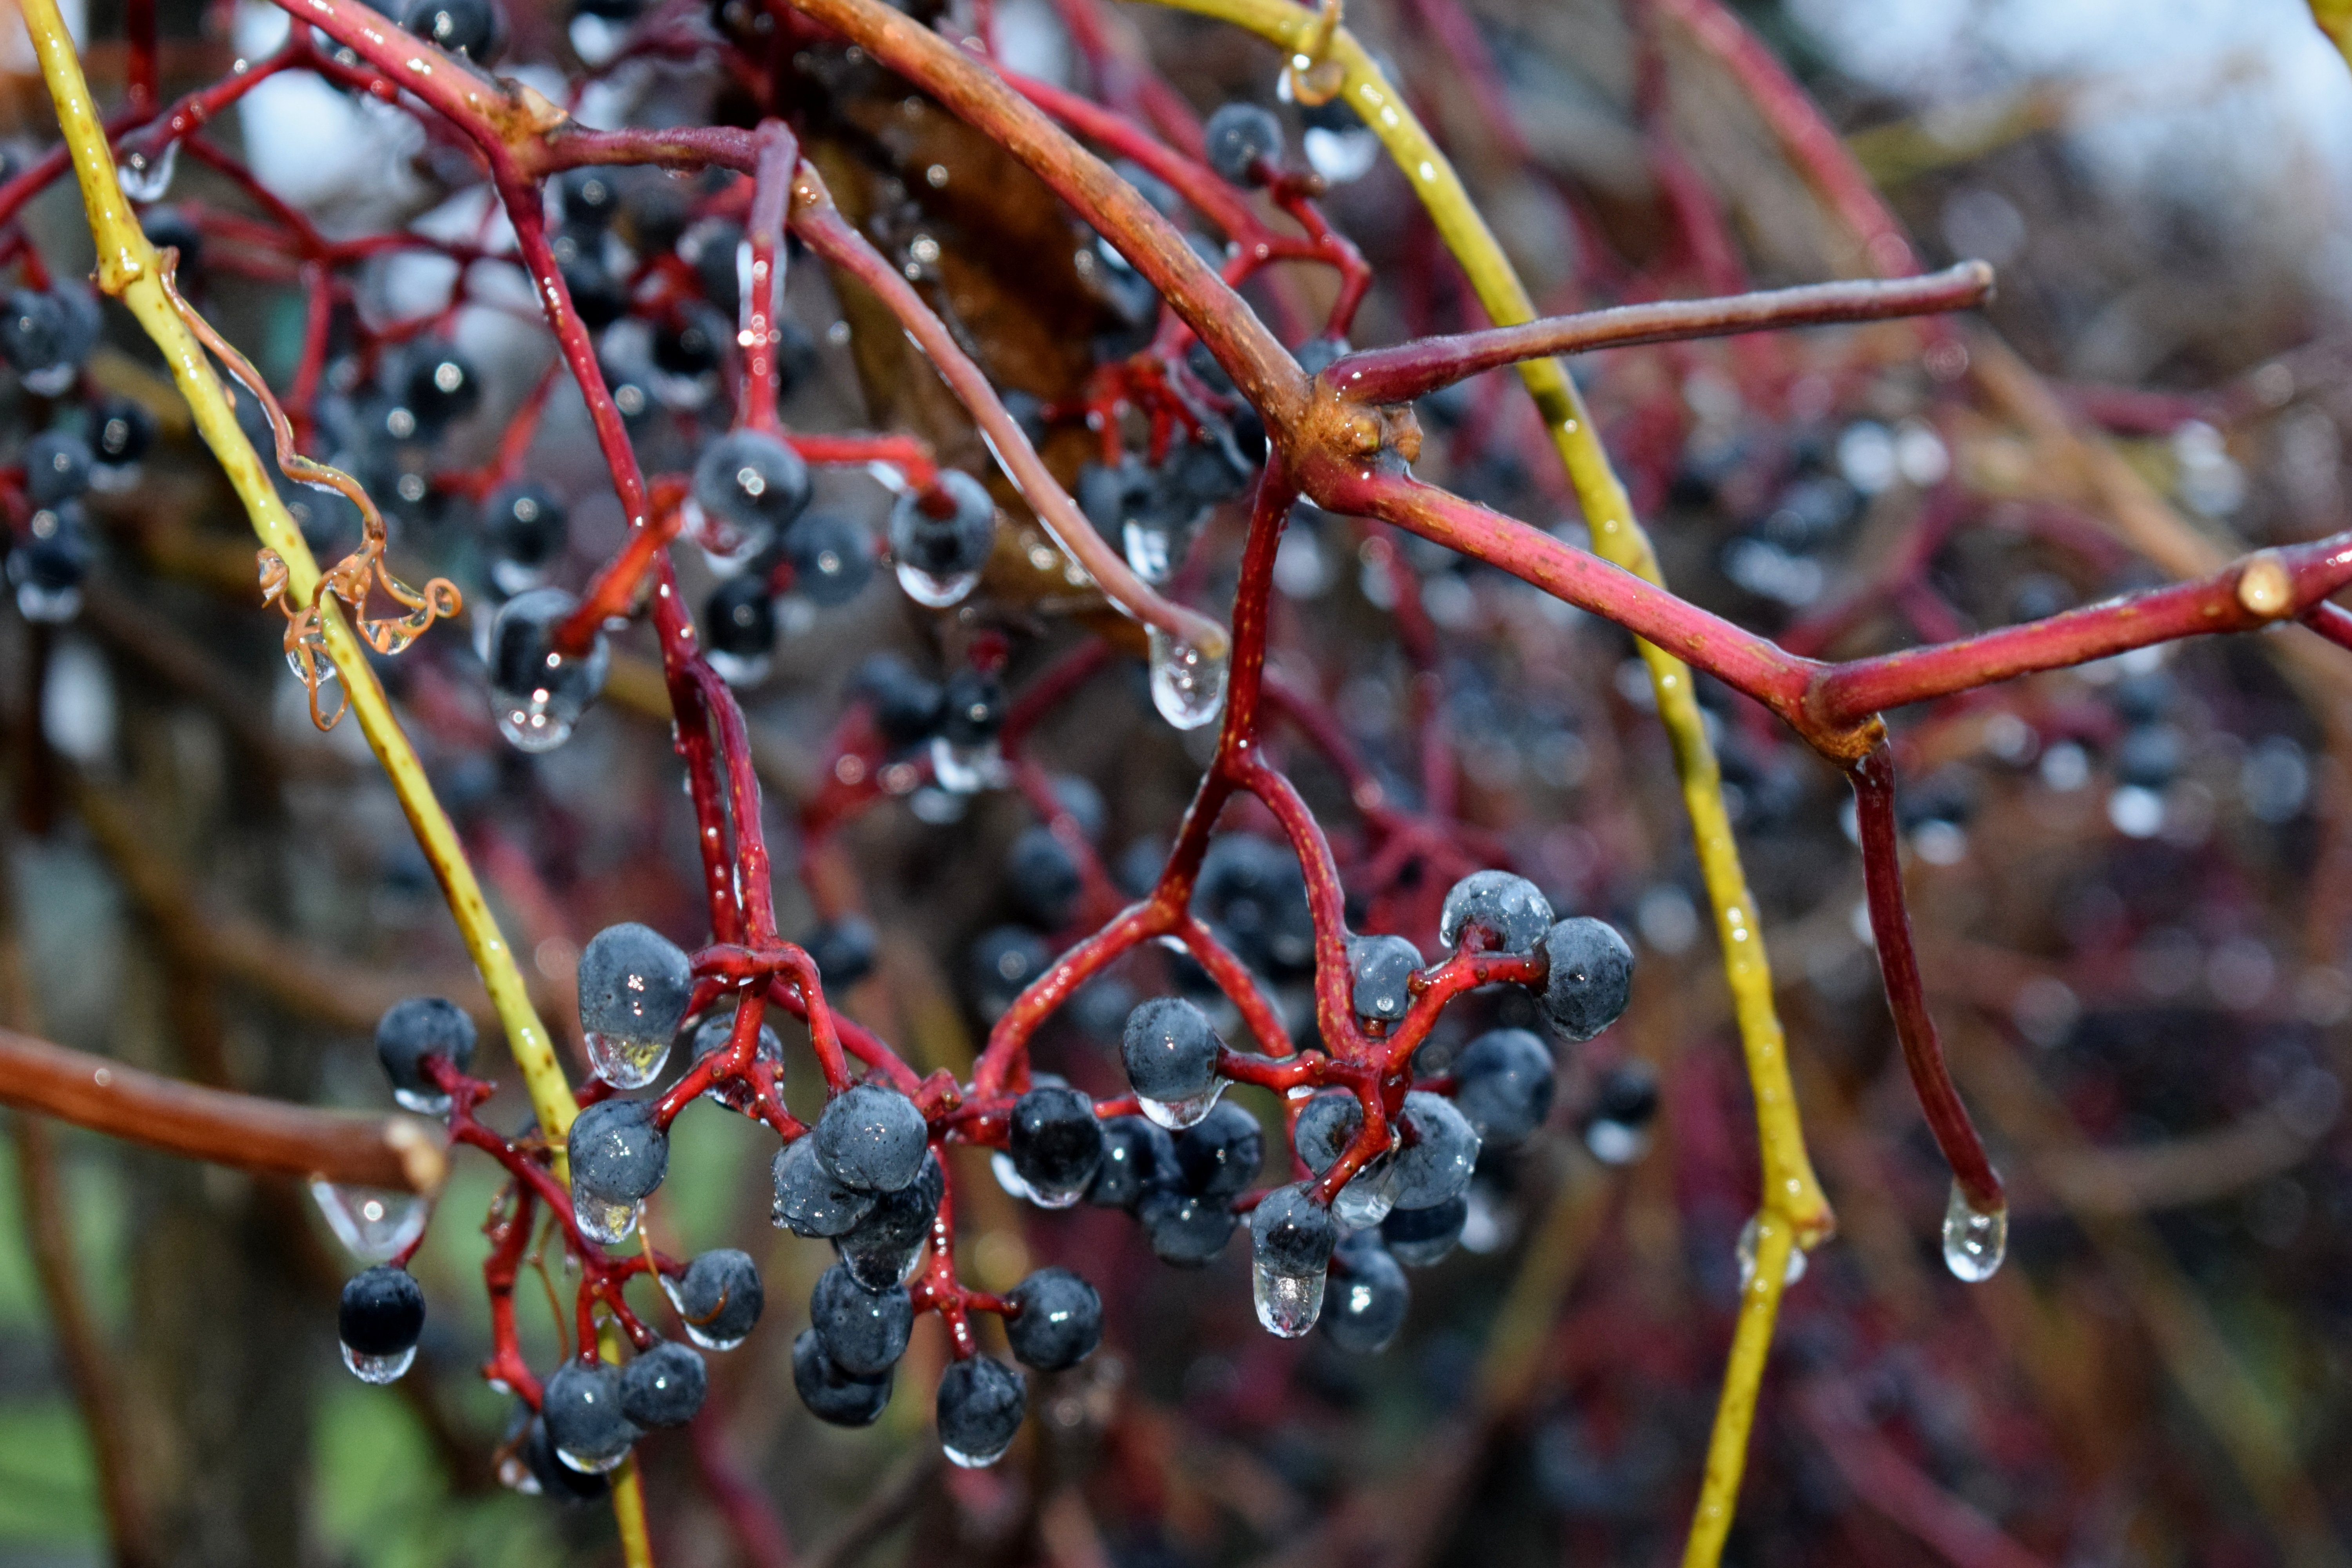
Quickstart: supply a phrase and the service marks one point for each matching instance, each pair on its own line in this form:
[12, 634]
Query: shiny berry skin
[871, 1138]
[945, 546]
[1138, 1155]
[832, 559]
[809, 1200]
[980, 1406]
[1439, 1152]
[525, 524]
[973, 707]
[1170, 1051]
[843, 950]
[879, 1247]
[538, 693]
[1054, 1139]
[418, 1027]
[1291, 1232]
[582, 1406]
[1504, 1083]
[34, 332]
[441, 385]
[1219, 1156]
[124, 430]
[1380, 969]
[382, 1312]
[54, 562]
[831, 1394]
[56, 468]
[906, 707]
[597, 297]
[1003, 962]
[720, 1295]
[1042, 877]
[557, 1480]
[1059, 1323]
[1509, 909]
[633, 981]
[1591, 976]
[1364, 1305]
[1242, 138]
[863, 1331]
[1628, 1096]
[1418, 1238]
[752, 480]
[664, 1385]
[1325, 1128]
[475, 28]
[740, 619]
[617, 1154]
[1184, 1228]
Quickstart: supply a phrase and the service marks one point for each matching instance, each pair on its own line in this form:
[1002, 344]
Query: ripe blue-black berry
[1059, 1321]
[1503, 1084]
[524, 529]
[582, 1406]
[1509, 909]
[980, 1406]
[1219, 1155]
[538, 692]
[56, 468]
[1364, 1305]
[906, 707]
[831, 1394]
[1325, 1128]
[1291, 1234]
[950, 546]
[1170, 1051]
[663, 1386]
[739, 618]
[383, 1312]
[1591, 976]
[1185, 1228]
[863, 1331]
[1254, 891]
[590, 196]
[1055, 1142]
[974, 707]
[810, 1200]
[413, 1030]
[551, 1476]
[635, 984]
[843, 950]
[1003, 962]
[618, 1155]
[719, 1297]
[752, 480]
[1243, 139]
[1042, 874]
[687, 345]
[124, 430]
[1380, 969]
[440, 385]
[880, 1247]
[48, 569]
[1138, 1154]
[1441, 1149]
[1617, 1125]
[871, 1138]
[34, 332]
[832, 559]
[1421, 1237]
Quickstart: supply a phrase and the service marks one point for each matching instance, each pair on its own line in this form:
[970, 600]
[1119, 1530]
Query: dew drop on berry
[965, 769]
[1188, 687]
[375, 1224]
[602, 1219]
[1287, 1304]
[626, 1062]
[1975, 1241]
[1178, 1114]
[1150, 551]
[1366, 1201]
[936, 591]
[379, 1369]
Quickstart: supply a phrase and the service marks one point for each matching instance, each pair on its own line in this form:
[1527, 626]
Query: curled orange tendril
[353, 578]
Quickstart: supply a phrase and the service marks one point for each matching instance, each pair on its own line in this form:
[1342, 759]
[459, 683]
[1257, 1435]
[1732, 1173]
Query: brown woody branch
[242, 1130]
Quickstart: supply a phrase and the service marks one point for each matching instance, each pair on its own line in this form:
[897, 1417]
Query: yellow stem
[1751, 1341]
[129, 270]
[2335, 19]
[1792, 1195]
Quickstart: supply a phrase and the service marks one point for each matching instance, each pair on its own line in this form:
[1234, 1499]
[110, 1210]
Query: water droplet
[52, 605]
[145, 177]
[1020, 1186]
[1974, 1242]
[1747, 1251]
[627, 1061]
[956, 1457]
[737, 670]
[1615, 1144]
[422, 1101]
[373, 1224]
[592, 1464]
[379, 1368]
[1150, 551]
[1340, 156]
[1287, 1304]
[936, 593]
[1178, 1114]
[693, 1330]
[599, 1220]
[966, 770]
[1188, 687]
[727, 545]
[1366, 1201]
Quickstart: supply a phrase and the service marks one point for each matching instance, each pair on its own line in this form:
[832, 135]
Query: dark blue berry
[880, 1247]
[124, 431]
[524, 524]
[664, 1385]
[1364, 1304]
[475, 28]
[1003, 962]
[1054, 1141]
[1509, 909]
[1419, 1237]
[618, 1155]
[1380, 969]
[1170, 1051]
[441, 384]
[1291, 1232]
[832, 559]
[1503, 1084]
[382, 1312]
[980, 1406]
[831, 1394]
[1591, 978]
[1042, 877]
[56, 468]
[1439, 1152]
[1059, 1320]
[810, 1201]
[1243, 141]
[1185, 1228]
[973, 707]
[739, 620]
[419, 1027]
[1219, 1155]
[582, 1406]
[863, 1331]
[906, 707]
[945, 546]
[752, 480]
[872, 1138]
[843, 950]
[1137, 1155]
[719, 1297]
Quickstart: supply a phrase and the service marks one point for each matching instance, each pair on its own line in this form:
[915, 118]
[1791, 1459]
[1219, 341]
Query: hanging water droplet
[1150, 551]
[966, 770]
[1010, 1178]
[1616, 1142]
[1188, 687]
[729, 545]
[422, 1101]
[591, 1464]
[145, 177]
[602, 1220]
[375, 1225]
[51, 605]
[1340, 156]
[514, 1474]
[963, 1460]
[1178, 1114]
[378, 1368]
[537, 693]
[626, 1062]
[934, 592]
[1366, 1201]
[1974, 1242]
[1287, 1304]
[671, 1288]
[1747, 1251]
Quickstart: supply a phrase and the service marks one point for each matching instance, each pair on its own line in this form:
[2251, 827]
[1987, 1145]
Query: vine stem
[129, 270]
[1795, 1211]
